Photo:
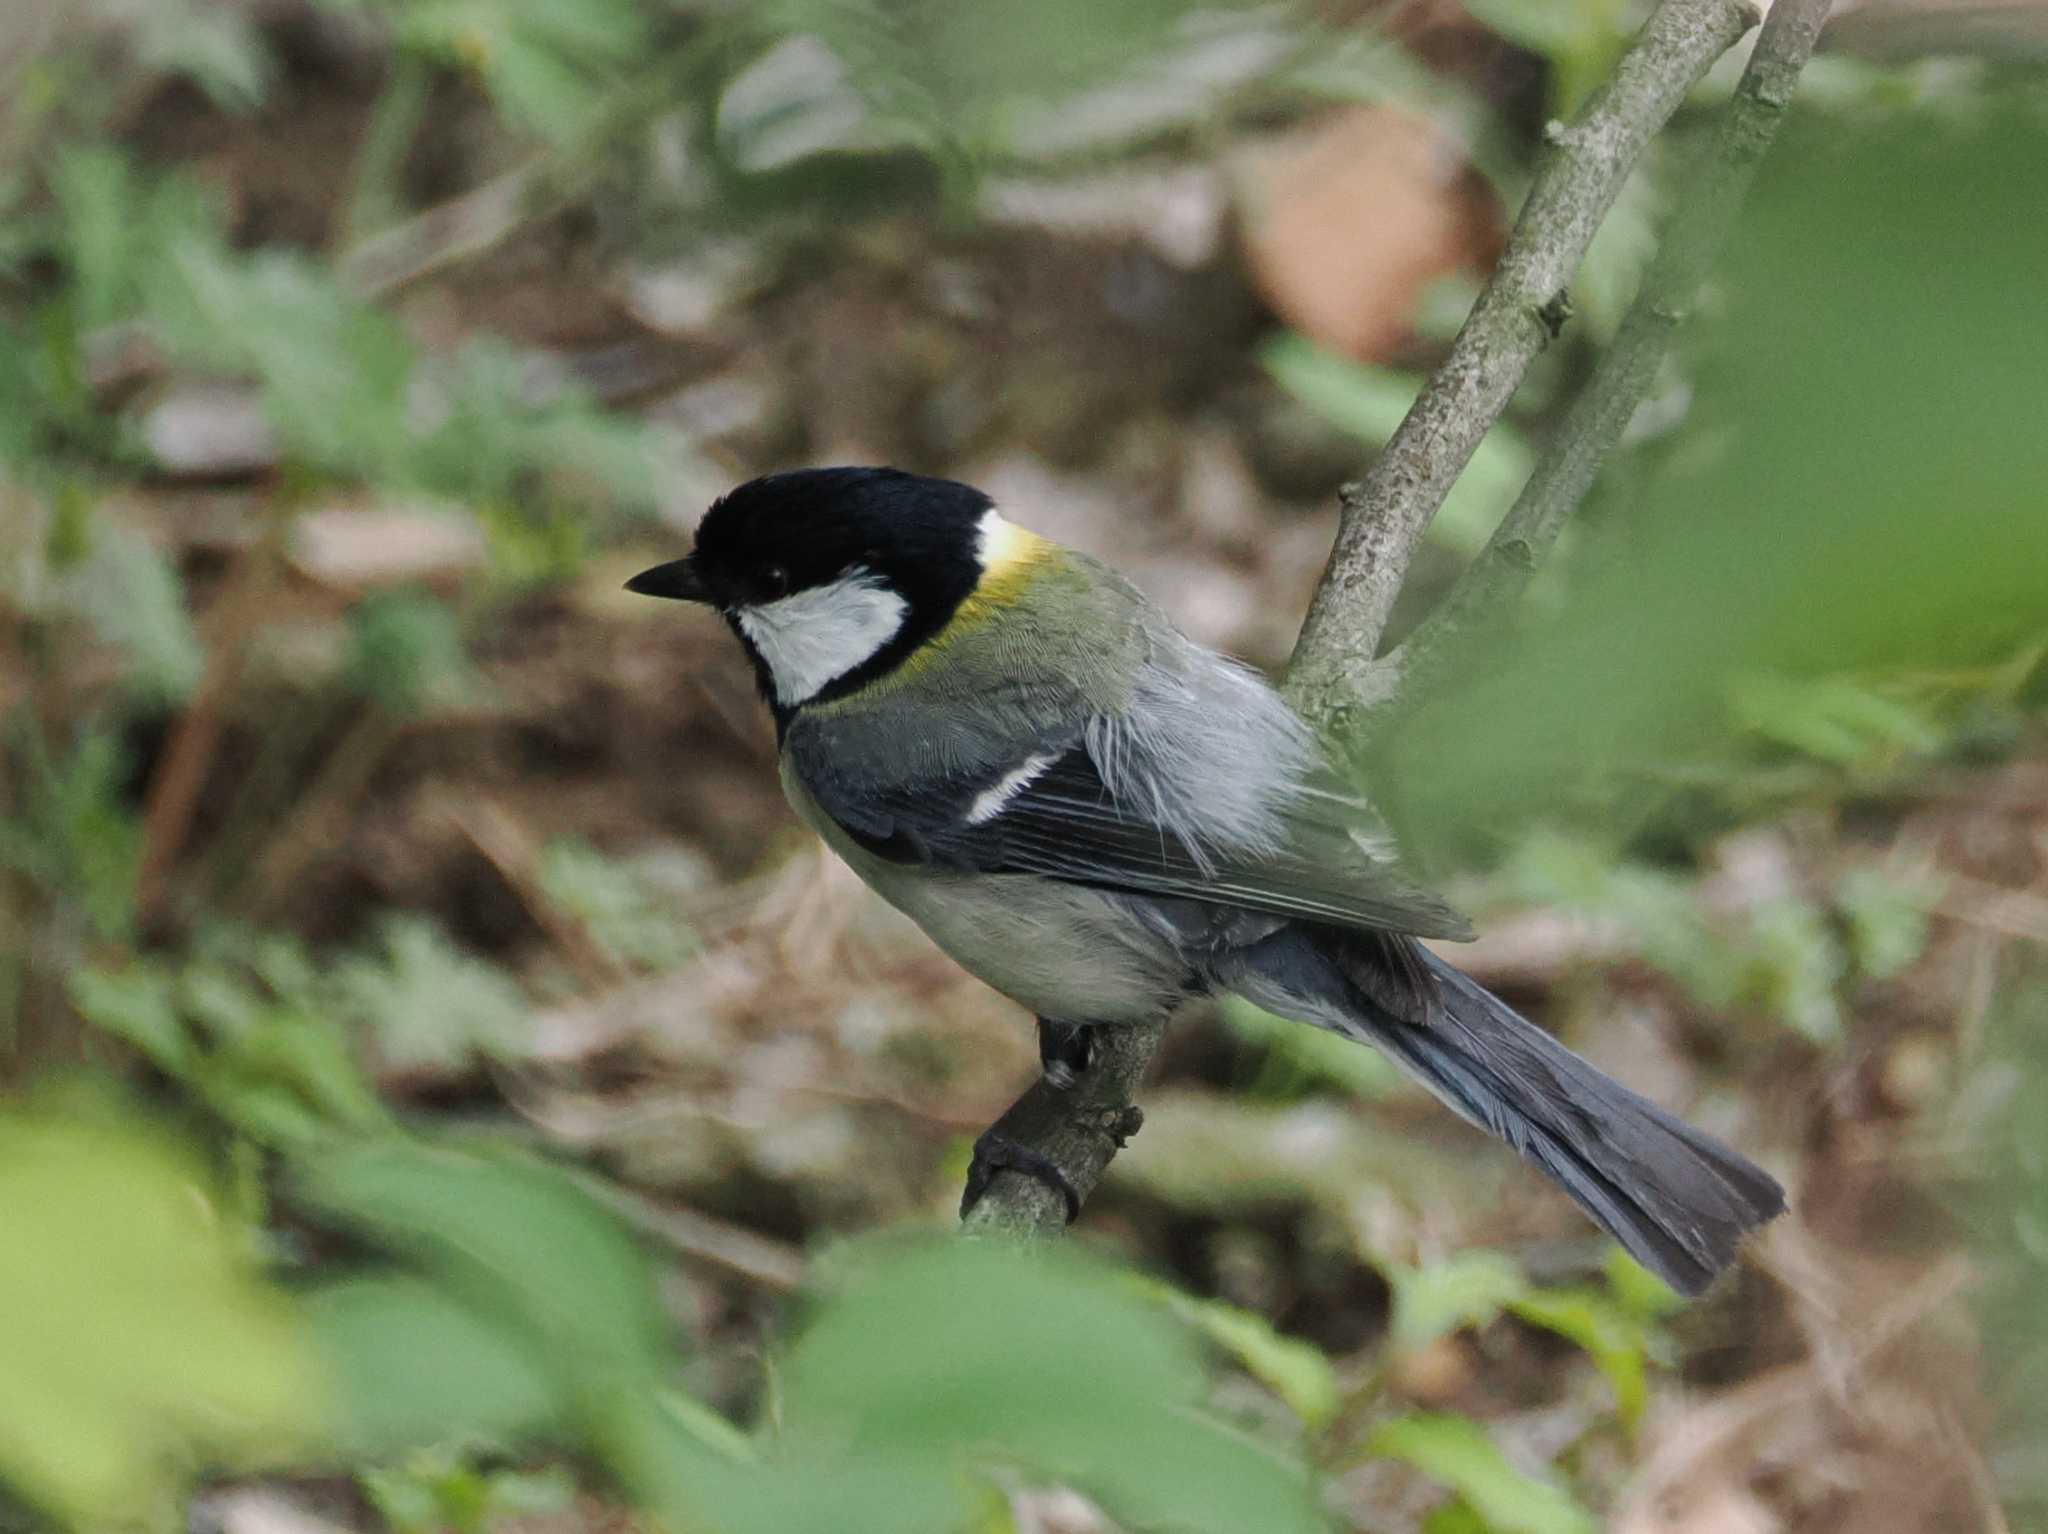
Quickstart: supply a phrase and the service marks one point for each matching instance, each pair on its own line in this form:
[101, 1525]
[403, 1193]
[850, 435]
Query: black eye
[775, 581]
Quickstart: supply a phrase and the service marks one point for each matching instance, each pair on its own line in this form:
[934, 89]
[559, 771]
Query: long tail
[1678, 1200]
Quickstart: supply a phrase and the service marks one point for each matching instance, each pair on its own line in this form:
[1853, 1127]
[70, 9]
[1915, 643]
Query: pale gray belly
[1063, 951]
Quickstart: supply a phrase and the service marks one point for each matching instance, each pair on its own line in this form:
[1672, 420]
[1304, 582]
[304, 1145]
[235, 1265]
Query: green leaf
[1457, 1453]
[1782, 955]
[1832, 718]
[1580, 39]
[1784, 531]
[516, 1240]
[708, 1427]
[1886, 911]
[1467, 1290]
[1618, 1342]
[217, 47]
[96, 200]
[951, 1353]
[1637, 1290]
[136, 1004]
[403, 648]
[1297, 1057]
[547, 64]
[426, 1002]
[971, 77]
[416, 1366]
[1294, 1370]
[1795, 965]
[291, 1078]
[1545, 27]
[113, 229]
[554, 1323]
[443, 1494]
[491, 437]
[244, 1023]
[336, 374]
[136, 1339]
[632, 919]
[75, 834]
[1369, 402]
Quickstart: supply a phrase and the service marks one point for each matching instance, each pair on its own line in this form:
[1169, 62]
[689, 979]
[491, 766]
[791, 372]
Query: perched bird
[1101, 818]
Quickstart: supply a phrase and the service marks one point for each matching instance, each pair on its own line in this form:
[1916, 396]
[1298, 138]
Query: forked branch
[1626, 372]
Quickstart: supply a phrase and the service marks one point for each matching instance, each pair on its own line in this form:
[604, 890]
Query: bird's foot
[996, 1152]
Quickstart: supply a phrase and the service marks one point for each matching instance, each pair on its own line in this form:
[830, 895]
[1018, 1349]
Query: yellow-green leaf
[1457, 1452]
[1293, 1370]
[137, 1341]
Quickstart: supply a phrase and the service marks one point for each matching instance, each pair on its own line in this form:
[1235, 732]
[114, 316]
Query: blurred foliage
[1617, 1325]
[262, 1034]
[1493, 1497]
[1874, 629]
[530, 1306]
[1292, 1059]
[1369, 402]
[2009, 1206]
[517, 1308]
[240, 1023]
[1295, 1371]
[139, 1340]
[631, 913]
[405, 651]
[345, 390]
[546, 64]
[434, 1492]
[72, 835]
[1786, 954]
[424, 1002]
[902, 1375]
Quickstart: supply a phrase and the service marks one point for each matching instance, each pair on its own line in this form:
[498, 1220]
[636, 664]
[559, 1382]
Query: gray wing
[1017, 791]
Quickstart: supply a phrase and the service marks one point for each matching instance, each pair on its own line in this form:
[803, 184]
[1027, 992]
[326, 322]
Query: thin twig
[1385, 515]
[181, 773]
[747, 1254]
[457, 230]
[1601, 413]
[1080, 1128]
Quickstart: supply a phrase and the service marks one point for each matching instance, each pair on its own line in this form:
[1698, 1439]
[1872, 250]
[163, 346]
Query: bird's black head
[831, 577]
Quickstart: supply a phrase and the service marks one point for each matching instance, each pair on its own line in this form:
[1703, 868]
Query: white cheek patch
[990, 801]
[809, 637]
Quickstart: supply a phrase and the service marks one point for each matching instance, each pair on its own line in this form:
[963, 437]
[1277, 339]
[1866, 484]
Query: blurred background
[440, 1086]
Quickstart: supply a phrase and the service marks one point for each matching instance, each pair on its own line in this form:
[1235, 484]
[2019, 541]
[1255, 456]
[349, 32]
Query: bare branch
[1079, 1128]
[1597, 418]
[1386, 513]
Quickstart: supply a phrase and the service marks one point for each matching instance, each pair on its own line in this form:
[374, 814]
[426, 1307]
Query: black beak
[677, 579]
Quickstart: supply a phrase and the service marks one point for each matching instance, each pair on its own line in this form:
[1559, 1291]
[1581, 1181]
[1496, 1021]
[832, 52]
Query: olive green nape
[1084, 626]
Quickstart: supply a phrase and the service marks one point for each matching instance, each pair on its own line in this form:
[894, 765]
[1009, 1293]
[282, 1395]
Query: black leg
[1064, 1050]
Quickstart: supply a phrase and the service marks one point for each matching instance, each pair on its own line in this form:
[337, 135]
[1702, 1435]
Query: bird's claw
[995, 1152]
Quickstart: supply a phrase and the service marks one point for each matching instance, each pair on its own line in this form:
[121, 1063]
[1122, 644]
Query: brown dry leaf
[1348, 222]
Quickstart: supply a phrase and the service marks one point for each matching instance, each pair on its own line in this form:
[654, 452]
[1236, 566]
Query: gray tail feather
[1677, 1199]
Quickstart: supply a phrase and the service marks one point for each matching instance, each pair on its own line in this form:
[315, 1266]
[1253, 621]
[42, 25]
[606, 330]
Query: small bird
[1101, 819]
